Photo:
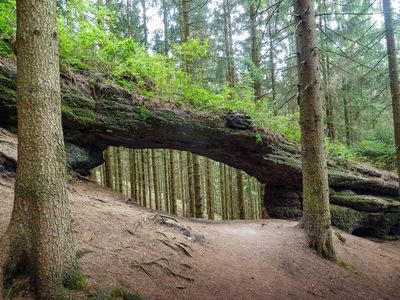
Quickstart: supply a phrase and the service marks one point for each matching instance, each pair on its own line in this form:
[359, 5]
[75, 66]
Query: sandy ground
[123, 245]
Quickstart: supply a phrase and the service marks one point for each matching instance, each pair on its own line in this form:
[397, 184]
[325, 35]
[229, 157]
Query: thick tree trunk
[39, 239]
[316, 214]
[393, 75]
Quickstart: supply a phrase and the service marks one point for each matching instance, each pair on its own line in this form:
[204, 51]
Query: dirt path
[123, 245]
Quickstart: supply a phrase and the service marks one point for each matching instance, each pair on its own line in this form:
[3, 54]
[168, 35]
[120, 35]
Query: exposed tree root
[158, 263]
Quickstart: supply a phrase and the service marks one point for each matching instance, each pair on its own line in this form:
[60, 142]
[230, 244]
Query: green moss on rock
[345, 218]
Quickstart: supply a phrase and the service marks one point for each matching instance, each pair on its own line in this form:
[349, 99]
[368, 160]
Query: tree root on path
[157, 262]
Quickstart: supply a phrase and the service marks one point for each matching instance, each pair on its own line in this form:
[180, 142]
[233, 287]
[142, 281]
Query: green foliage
[338, 151]
[76, 282]
[7, 25]
[144, 113]
[382, 154]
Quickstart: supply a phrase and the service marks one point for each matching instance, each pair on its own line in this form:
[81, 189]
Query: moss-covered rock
[365, 203]
[346, 218]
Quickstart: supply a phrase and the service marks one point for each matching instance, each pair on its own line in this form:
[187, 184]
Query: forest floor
[163, 257]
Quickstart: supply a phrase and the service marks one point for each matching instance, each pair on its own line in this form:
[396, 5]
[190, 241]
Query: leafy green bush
[7, 25]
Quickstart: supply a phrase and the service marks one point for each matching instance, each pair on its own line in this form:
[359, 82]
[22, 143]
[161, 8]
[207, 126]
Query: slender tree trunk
[120, 171]
[316, 214]
[166, 183]
[132, 160]
[143, 179]
[393, 75]
[155, 179]
[39, 239]
[145, 30]
[165, 22]
[192, 206]
[347, 119]
[255, 46]
[272, 62]
[224, 210]
[228, 40]
[210, 190]
[239, 181]
[197, 187]
[172, 165]
[108, 164]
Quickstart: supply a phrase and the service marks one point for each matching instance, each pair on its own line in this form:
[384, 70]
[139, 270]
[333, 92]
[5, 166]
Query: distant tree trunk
[255, 46]
[172, 166]
[120, 171]
[145, 30]
[129, 17]
[185, 27]
[132, 166]
[143, 179]
[231, 193]
[165, 22]
[108, 164]
[197, 187]
[166, 183]
[228, 40]
[39, 240]
[189, 159]
[181, 174]
[210, 191]
[149, 179]
[224, 210]
[250, 215]
[155, 179]
[272, 62]
[239, 182]
[393, 75]
[347, 119]
[316, 214]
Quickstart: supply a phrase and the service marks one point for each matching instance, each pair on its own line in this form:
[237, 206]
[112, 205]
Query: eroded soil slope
[163, 257]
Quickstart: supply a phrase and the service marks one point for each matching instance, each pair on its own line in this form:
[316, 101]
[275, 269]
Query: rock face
[97, 115]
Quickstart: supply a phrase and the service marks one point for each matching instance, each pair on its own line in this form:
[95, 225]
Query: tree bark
[108, 165]
[393, 76]
[172, 165]
[155, 179]
[197, 188]
[255, 47]
[316, 213]
[210, 190]
[39, 239]
[228, 40]
[240, 194]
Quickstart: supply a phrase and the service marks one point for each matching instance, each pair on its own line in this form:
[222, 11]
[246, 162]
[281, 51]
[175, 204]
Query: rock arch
[97, 115]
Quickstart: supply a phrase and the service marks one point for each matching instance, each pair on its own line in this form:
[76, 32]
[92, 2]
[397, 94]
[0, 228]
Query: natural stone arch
[98, 115]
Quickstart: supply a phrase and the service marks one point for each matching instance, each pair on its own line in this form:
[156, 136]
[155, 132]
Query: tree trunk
[347, 119]
[145, 31]
[228, 40]
[172, 165]
[165, 22]
[316, 214]
[210, 191]
[132, 160]
[192, 206]
[255, 47]
[393, 75]
[155, 179]
[143, 179]
[39, 239]
[241, 207]
[108, 164]
[197, 187]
